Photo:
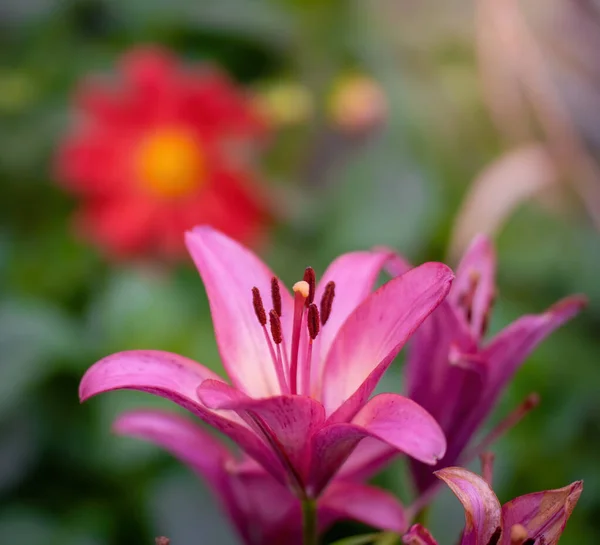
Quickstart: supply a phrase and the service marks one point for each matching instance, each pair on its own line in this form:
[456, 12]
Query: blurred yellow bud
[357, 103]
[285, 103]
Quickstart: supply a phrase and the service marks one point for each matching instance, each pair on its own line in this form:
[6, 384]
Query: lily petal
[483, 514]
[183, 439]
[354, 275]
[367, 504]
[375, 332]
[391, 418]
[427, 366]
[507, 351]
[175, 378]
[268, 511]
[286, 422]
[367, 459]
[418, 535]
[229, 272]
[404, 424]
[476, 276]
[543, 514]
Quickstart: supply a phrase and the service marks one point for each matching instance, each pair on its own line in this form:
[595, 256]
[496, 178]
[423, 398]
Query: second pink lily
[302, 374]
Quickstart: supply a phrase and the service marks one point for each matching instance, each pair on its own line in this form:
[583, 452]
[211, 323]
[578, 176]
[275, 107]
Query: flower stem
[309, 521]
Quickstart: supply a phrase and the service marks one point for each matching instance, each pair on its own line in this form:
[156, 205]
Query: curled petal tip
[569, 305]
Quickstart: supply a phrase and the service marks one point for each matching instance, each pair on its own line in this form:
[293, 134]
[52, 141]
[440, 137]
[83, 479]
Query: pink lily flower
[261, 509]
[299, 399]
[534, 519]
[457, 375]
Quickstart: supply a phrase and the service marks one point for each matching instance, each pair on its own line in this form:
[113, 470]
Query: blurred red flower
[159, 150]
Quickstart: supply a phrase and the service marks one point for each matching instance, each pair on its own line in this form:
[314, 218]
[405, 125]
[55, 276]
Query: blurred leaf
[264, 21]
[33, 335]
[19, 449]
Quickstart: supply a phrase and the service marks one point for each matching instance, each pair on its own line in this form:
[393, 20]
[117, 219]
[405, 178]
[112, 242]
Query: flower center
[170, 163]
[307, 316]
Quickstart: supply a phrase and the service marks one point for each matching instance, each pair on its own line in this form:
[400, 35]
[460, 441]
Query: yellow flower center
[170, 163]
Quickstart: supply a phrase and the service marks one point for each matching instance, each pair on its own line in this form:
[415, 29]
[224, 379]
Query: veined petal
[367, 504]
[183, 439]
[369, 456]
[542, 514]
[229, 272]
[427, 366]
[418, 535]
[476, 276]
[505, 354]
[404, 424]
[354, 275]
[507, 351]
[268, 511]
[175, 378]
[483, 515]
[375, 332]
[391, 418]
[287, 422]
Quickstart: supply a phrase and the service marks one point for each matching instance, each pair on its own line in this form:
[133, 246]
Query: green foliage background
[64, 479]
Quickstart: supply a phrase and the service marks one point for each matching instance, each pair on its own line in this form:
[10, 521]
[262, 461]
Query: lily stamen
[277, 308]
[301, 292]
[327, 302]
[311, 279]
[277, 334]
[313, 325]
[261, 315]
[518, 534]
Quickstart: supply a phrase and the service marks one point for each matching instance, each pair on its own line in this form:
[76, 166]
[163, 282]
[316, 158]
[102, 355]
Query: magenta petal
[354, 275]
[374, 334]
[369, 456]
[331, 447]
[267, 511]
[397, 265]
[183, 439]
[176, 378]
[286, 422]
[229, 272]
[513, 344]
[543, 514]
[483, 515]
[404, 424]
[418, 535]
[367, 504]
[477, 268]
[391, 418]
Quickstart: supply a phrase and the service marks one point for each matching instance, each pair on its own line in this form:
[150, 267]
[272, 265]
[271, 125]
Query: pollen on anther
[276, 296]
[311, 279]
[313, 321]
[327, 301]
[275, 323]
[302, 288]
[518, 534]
[259, 308]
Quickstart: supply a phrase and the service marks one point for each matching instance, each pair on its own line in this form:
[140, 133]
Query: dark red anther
[313, 322]
[259, 308]
[311, 279]
[276, 295]
[275, 323]
[327, 301]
